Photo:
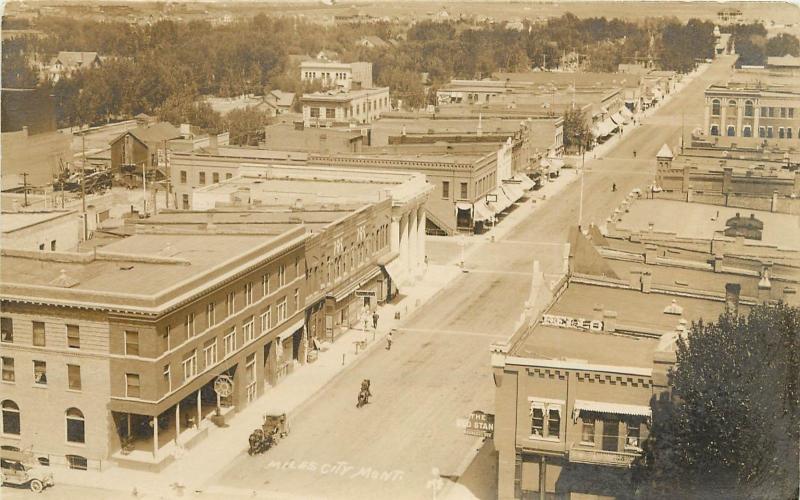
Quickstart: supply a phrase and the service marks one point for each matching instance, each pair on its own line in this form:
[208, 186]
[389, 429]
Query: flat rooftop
[142, 264]
[14, 221]
[555, 343]
[269, 220]
[695, 220]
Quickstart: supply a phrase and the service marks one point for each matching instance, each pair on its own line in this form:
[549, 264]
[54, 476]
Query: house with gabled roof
[67, 62]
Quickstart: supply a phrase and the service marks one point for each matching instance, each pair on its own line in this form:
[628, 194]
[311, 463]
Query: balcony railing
[602, 457]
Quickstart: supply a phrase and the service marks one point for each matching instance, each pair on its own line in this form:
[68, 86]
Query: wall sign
[576, 323]
[480, 424]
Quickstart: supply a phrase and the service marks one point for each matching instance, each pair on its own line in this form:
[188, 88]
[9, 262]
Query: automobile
[19, 469]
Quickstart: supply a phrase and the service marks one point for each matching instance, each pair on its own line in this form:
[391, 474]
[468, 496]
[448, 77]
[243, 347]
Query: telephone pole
[83, 188]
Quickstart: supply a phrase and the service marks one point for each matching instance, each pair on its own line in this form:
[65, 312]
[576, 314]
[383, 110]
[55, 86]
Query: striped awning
[613, 408]
[525, 182]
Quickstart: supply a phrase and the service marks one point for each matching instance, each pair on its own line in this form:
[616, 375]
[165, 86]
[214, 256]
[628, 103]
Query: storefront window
[75, 426]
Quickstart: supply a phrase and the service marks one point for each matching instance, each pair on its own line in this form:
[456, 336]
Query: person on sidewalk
[375, 320]
[389, 340]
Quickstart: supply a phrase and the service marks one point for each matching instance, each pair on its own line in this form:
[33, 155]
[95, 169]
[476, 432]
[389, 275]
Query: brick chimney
[647, 281]
[650, 254]
[732, 291]
[718, 259]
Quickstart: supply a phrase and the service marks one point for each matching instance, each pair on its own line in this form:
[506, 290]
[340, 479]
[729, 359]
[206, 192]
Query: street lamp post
[492, 198]
[461, 243]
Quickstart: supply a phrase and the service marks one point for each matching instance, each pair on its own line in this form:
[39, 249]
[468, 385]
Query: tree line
[164, 68]
[754, 46]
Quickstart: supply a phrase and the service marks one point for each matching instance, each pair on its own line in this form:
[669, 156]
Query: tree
[246, 125]
[577, 136]
[782, 45]
[733, 427]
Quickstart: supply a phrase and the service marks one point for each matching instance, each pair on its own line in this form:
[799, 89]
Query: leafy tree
[733, 427]
[246, 125]
[577, 136]
[782, 45]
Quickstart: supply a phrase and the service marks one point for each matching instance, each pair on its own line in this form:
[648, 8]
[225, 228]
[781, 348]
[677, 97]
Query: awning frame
[610, 408]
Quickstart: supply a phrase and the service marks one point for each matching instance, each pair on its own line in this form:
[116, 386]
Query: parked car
[19, 469]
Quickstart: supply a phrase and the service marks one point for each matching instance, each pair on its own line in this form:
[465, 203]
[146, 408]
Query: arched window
[731, 131]
[11, 418]
[75, 426]
[715, 107]
[731, 103]
[747, 131]
[715, 129]
[748, 108]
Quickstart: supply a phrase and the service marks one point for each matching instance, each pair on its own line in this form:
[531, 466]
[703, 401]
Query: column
[412, 243]
[199, 409]
[723, 117]
[155, 437]
[756, 116]
[404, 243]
[421, 241]
[706, 119]
[177, 422]
[395, 235]
[739, 112]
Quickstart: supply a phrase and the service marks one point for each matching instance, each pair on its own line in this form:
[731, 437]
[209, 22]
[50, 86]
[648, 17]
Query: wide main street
[437, 370]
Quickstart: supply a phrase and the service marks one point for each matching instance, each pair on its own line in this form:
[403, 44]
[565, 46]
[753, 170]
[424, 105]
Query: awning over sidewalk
[395, 271]
[604, 128]
[502, 201]
[482, 212]
[613, 408]
[624, 111]
[291, 329]
[513, 192]
[462, 205]
[524, 181]
[619, 119]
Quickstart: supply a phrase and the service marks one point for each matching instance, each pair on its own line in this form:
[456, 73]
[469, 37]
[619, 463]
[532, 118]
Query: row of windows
[9, 375]
[546, 424]
[267, 281]
[308, 75]
[75, 428]
[351, 111]
[463, 190]
[767, 132]
[201, 177]
[190, 363]
[39, 339]
[350, 258]
[749, 107]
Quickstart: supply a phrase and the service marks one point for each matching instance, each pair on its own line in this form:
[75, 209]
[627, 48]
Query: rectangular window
[248, 331]
[229, 342]
[38, 334]
[39, 372]
[190, 331]
[314, 112]
[202, 178]
[330, 113]
[228, 176]
[215, 177]
[781, 133]
[296, 299]
[282, 310]
[281, 275]
[587, 432]
[632, 439]
[231, 303]
[554, 423]
[132, 385]
[77, 462]
[265, 285]
[463, 190]
[762, 132]
[6, 330]
[445, 189]
[167, 378]
[211, 313]
[266, 320]
[769, 133]
[131, 343]
[537, 422]
[210, 353]
[248, 294]
[185, 201]
[73, 337]
[184, 177]
[74, 377]
[791, 112]
[8, 369]
[168, 335]
[190, 366]
[783, 112]
[789, 132]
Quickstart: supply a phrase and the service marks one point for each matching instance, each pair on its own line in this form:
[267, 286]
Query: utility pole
[25, 187]
[168, 172]
[83, 187]
[683, 113]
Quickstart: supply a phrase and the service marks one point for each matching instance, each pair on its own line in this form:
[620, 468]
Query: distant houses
[67, 62]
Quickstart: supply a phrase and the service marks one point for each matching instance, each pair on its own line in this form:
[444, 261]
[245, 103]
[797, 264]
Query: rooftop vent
[673, 308]
[64, 281]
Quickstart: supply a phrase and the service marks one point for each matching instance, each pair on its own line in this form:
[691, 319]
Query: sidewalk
[191, 472]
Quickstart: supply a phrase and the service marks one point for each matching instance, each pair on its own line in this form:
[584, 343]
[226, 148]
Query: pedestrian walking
[389, 340]
[375, 320]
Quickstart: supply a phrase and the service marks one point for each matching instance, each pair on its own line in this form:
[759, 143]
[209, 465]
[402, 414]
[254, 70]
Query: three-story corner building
[750, 114]
[125, 344]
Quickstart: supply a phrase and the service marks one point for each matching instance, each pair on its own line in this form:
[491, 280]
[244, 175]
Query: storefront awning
[624, 111]
[461, 205]
[544, 163]
[502, 201]
[482, 212]
[556, 163]
[618, 119]
[289, 330]
[354, 285]
[525, 182]
[613, 408]
[395, 271]
[604, 128]
[513, 192]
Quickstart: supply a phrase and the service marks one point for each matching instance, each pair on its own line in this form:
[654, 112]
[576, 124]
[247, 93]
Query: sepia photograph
[400, 250]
